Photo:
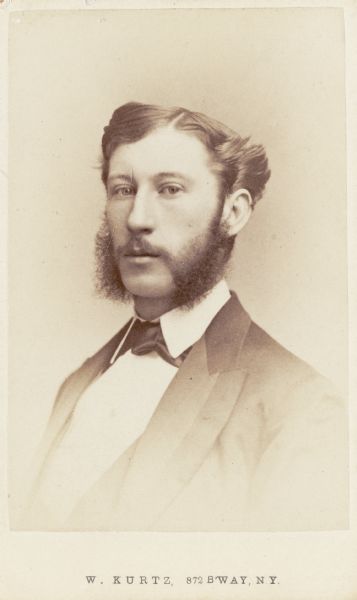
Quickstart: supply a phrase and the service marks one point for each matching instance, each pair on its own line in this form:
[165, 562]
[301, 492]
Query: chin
[148, 286]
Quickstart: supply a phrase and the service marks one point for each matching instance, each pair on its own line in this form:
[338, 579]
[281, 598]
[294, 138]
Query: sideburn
[195, 271]
[202, 266]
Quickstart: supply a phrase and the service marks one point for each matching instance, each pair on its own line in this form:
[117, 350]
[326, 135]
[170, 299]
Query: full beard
[194, 271]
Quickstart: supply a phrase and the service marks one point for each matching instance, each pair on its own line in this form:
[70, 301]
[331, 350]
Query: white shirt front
[117, 407]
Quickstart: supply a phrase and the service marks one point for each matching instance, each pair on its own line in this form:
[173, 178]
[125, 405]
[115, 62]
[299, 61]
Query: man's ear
[237, 210]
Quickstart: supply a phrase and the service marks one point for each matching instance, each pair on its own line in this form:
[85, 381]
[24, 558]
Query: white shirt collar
[183, 327]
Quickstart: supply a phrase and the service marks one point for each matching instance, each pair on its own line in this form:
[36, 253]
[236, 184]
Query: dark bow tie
[145, 337]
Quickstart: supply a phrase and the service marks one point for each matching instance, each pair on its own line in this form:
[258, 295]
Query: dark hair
[237, 164]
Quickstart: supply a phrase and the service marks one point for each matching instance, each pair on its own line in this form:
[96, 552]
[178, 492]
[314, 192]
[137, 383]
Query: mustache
[138, 246]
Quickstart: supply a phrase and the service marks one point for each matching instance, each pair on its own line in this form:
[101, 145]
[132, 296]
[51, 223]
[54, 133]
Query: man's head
[179, 188]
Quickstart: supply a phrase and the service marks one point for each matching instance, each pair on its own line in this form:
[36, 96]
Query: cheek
[194, 224]
[116, 221]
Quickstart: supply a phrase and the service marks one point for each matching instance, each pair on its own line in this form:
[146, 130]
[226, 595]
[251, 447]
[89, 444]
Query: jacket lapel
[188, 420]
[191, 415]
[68, 396]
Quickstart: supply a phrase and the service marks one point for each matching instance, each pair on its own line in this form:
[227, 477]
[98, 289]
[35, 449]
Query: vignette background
[277, 74]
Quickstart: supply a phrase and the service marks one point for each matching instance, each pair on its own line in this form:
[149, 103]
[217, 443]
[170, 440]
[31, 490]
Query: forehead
[163, 150]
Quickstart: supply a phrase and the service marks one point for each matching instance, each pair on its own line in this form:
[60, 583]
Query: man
[191, 418]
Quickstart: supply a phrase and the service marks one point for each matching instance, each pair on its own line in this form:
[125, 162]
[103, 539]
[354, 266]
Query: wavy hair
[237, 163]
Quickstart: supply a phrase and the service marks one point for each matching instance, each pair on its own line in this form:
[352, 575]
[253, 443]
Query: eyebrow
[171, 174]
[155, 178]
[122, 177]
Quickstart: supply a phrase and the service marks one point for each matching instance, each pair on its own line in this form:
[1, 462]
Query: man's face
[163, 208]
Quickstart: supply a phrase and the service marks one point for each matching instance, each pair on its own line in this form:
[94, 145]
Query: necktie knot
[147, 336]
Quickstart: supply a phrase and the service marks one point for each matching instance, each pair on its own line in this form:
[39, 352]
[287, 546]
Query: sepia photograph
[191, 417]
[178, 289]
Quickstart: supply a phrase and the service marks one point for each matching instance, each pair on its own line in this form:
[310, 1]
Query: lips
[140, 259]
[135, 250]
[138, 254]
[141, 253]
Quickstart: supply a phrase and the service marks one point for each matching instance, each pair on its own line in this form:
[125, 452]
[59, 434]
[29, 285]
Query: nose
[141, 217]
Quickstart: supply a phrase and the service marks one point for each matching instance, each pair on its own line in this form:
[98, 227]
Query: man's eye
[171, 189]
[123, 190]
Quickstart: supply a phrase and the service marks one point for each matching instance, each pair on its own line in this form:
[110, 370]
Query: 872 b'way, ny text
[189, 580]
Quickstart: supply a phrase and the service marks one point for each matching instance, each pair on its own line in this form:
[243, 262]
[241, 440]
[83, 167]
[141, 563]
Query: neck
[152, 308]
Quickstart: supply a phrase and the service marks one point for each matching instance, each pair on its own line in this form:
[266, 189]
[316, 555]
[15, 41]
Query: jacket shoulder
[267, 357]
[95, 364]
[283, 384]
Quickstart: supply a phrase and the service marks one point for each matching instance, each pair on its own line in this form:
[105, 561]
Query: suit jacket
[247, 437]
